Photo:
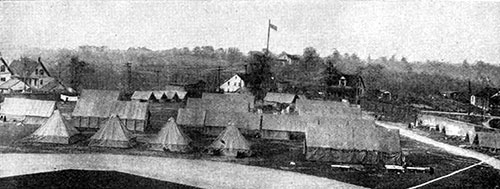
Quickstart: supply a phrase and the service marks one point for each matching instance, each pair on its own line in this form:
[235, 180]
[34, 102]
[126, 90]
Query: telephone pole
[129, 74]
[157, 77]
[218, 78]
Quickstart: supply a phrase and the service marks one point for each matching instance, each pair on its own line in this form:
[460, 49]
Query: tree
[310, 59]
[331, 74]
[261, 77]
[77, 69]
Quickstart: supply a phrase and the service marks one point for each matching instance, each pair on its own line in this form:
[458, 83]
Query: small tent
[231, 143]
[55, 130]
[171, 138]
[112, 134]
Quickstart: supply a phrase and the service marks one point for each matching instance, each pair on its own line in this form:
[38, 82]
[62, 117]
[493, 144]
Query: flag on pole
[273, 27]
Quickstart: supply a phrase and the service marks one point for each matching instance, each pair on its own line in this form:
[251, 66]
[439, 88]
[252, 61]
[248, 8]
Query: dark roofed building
[483, 99]
[346, 86]
[31, 72]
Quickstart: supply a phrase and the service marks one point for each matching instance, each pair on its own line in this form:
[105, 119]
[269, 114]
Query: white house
[233, 84]
[288, 59]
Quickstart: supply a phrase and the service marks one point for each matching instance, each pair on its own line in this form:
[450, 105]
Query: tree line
[104, 68]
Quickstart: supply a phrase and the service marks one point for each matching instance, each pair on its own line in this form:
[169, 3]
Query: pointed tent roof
[231, 139]
[112, 134]
[171, 137]
[55, 130]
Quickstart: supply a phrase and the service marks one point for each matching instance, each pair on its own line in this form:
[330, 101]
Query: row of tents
[114, 134]
[159, 96]
[474, 134]
[334, 131]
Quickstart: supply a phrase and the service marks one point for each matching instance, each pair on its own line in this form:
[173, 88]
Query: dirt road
[446, 147]
[199, 173]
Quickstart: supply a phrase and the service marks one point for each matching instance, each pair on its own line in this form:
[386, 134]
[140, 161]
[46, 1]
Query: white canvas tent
[231, 143]
[27, 110]
[55, 130]
[112, 134]
[171, 138]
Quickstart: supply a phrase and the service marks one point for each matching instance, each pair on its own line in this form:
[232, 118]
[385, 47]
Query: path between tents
[495, 163]
[198, 173]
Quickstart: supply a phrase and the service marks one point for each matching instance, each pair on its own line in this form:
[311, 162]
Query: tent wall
[489, 140]
[213, 130]
[140, 125]
[85, 122]
[32, 120]
[191, 117]
[277, 135]
[352, 156]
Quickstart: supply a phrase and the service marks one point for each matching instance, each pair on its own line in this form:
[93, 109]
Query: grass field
[278, 155]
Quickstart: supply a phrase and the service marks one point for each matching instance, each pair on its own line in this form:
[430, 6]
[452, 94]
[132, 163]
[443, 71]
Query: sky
[419, 30]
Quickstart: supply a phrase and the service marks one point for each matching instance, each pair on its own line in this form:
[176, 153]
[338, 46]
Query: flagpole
[268, 34]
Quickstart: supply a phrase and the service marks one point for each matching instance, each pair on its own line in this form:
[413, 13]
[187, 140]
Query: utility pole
[218, 78]
[158, 77]
[129, 73]
[469, 95]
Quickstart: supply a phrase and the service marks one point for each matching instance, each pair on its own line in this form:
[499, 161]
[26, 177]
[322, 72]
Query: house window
[41, 82]
[2, 79]
[36, 72]
[2, 68]
[234, 84]
[41, 72]
[240, 84]
[343, 81]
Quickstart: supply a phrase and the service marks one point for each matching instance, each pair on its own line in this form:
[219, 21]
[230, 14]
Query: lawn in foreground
[278, 155]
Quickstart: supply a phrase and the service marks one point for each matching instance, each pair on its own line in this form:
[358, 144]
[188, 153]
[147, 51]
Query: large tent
[355, 141]
[171, 138]
[112, 134]
[27, 110]
[135, 115]
[281, 126]
[95, 106]
[231, 143]
[55, 130]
